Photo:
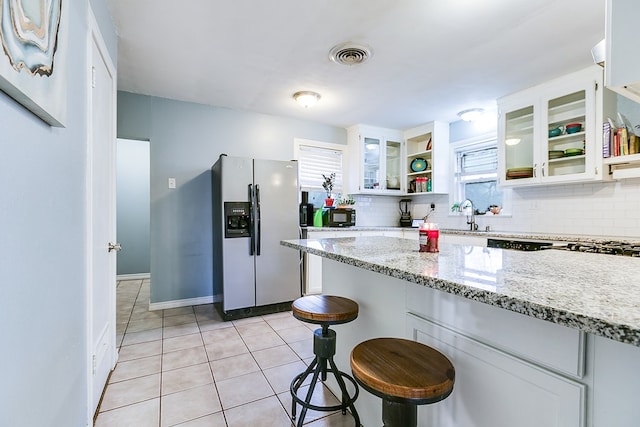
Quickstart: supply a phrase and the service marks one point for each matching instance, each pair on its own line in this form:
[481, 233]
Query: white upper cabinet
[552, 133]
[622, 62]
[375, 160]
[427, 158]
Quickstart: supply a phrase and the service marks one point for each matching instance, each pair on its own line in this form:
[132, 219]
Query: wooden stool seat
[404, 374]
[325, 309]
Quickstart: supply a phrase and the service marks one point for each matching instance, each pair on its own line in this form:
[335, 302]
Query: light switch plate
[172, 183]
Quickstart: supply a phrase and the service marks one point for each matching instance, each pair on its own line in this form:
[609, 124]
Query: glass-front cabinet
[375, 160]
[552, 133]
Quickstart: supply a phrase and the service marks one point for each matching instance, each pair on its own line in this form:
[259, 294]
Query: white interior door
[101, 218]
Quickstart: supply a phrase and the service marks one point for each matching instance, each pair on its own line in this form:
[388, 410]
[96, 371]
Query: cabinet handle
[535, 167]
[543, 168]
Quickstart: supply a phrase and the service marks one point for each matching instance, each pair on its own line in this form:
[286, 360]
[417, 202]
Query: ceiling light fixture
[471, 114]
[512, 141]
[306, 98]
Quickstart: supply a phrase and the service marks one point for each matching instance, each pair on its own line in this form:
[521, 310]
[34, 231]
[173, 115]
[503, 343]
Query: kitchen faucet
[467, 208]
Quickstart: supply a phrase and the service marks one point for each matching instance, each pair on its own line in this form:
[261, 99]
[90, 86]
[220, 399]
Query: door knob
[114, 247]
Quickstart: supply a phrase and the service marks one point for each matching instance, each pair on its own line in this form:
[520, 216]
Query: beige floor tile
[247, 320]
[277, 315]
[136, 368]
[283, 322]
[204, 308]
[181, 342]
[213, 420]
[210, 325]
[179, 320]
[178, 311]
[322, 396]
[143, 414]
[304, 349]
[146, 315]
[142, 336]
[144, 325]
[131, 391]
[183, 358]
[203, 316]
[226, 348]
[189, 405]
[243, 389]
[262, 413]
[217, 335]
[137, 351]
[262, 341]
[250, 329]
[297, 333]
[233, 367]
[178, 330]
[186, 378]
[275, 356]
[280, 377]
[334, 420]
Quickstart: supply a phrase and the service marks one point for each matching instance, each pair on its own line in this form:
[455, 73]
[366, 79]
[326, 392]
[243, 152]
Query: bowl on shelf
[573, 151]
[573, 127]
[555, 132]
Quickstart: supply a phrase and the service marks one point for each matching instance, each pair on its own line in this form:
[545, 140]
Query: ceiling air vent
[349, 54]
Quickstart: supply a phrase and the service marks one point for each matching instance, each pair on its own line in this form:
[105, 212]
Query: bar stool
[404, 374]
[324, 310]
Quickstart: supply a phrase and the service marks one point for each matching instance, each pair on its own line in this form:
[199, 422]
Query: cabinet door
[371, 170]
[570, 156]
[518, 163]
[495, 389]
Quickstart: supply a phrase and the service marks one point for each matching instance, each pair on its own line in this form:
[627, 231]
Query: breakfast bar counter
[548, 337]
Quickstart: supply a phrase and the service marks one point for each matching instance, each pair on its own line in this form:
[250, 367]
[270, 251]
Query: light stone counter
[594, 293]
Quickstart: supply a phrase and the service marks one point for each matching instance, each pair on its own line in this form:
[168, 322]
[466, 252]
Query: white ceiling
[431, 58]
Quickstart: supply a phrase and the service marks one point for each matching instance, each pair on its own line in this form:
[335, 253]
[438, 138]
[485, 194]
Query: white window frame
[342, 148]
[472, 144]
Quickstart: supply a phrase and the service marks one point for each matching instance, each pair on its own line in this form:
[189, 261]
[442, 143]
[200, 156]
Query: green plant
[346, 200]
[456, 207]
[328, 183]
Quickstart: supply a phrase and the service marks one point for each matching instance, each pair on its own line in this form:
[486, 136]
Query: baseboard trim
[184, 302]
[135, 276]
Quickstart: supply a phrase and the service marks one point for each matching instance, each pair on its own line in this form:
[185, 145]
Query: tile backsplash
[598, 209]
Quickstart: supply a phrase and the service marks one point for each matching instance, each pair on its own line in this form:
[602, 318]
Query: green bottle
[317, 218]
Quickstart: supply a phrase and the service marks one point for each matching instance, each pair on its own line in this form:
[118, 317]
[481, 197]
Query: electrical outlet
[172, 183]
[433, 206]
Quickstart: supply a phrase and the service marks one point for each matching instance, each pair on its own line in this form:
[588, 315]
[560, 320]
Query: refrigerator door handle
[259, 221]
[252, 243]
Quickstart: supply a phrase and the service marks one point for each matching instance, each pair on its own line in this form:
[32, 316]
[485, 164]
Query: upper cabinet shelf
[536, 146]
[427, 161]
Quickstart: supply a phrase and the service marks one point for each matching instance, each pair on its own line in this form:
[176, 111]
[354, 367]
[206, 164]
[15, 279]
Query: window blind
[313, 162]
[479, 161]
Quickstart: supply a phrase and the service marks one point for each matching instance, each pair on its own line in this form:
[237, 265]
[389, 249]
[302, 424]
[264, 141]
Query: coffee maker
[306, 211]
[405, 213]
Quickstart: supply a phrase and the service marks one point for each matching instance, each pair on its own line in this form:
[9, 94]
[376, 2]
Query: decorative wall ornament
[33, 57]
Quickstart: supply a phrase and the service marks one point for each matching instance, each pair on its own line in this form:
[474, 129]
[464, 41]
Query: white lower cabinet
[496, 389]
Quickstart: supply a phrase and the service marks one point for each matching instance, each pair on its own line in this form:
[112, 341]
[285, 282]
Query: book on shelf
[618, 141]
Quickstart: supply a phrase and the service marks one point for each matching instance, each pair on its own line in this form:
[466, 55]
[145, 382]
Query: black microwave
[341, 217]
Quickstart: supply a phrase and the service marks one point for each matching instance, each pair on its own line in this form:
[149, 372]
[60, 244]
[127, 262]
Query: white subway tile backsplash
[599, 209]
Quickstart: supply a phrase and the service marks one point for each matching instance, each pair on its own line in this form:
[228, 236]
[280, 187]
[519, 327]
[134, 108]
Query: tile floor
[186, 367]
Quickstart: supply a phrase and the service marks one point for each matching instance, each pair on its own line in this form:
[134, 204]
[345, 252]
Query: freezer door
[237, 262]
[277, 267]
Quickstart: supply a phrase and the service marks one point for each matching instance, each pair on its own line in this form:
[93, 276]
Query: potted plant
[345, 202]
[328, 186]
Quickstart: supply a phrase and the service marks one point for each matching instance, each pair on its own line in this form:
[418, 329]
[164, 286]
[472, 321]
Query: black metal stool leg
[396, 414]
[324, 347]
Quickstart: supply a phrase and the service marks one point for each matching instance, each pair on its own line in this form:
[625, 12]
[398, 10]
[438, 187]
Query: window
[314, 160]
[476, 174]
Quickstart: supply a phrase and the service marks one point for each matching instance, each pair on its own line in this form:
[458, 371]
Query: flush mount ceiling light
[471, 114]
[512, 141]
[349, 53]
[306, 98]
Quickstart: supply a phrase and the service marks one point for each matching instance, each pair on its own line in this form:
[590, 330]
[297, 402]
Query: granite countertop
[591, 292]
[491, 234]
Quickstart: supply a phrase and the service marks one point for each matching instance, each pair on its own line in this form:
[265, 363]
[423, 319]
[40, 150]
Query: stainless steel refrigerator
[255, 206]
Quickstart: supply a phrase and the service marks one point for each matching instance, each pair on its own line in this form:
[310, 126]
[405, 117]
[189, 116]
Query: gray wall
[133, 206]
[43, 265]
[185, 140]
